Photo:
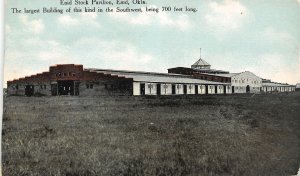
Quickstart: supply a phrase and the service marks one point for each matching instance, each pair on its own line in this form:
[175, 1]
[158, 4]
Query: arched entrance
[65, 87]
[29, 90]
[248, 89]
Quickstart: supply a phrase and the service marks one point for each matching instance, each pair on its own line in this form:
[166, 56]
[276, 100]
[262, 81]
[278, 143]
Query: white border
[2, 38]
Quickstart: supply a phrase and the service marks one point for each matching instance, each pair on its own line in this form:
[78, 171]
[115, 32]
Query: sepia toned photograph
[147, 87]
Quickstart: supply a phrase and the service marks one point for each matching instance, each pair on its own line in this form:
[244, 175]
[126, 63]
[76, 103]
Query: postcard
[146, 87]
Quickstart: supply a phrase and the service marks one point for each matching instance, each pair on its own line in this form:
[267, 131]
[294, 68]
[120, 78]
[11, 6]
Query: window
[89, 86]
[41, 86]
[150, 86]
[105, 86]
[45, 86]
[17, 87]
[65, 74]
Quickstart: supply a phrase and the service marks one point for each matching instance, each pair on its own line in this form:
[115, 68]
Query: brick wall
[103, 84]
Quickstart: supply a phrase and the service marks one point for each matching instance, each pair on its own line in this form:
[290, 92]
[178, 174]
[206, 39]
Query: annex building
[70, 79]
[298, 87]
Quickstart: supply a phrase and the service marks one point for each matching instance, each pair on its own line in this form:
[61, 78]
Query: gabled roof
[201, 62]
[154, 77]
[228, 75]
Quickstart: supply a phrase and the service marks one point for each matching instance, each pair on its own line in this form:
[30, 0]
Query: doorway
[184, 89]
[173, 89]
[76, 88]
[206, 89]
[232, 89]
[247, 89]
[29, 90]
[196, 89]
[65, 87]
[158, 89]
[53, 89]
[142, 89]
[216, 89]
[224, 89]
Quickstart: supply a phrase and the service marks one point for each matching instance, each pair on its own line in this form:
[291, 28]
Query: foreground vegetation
[176, 135]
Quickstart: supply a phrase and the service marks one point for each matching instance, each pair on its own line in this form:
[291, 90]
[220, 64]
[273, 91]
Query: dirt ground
[172, 135]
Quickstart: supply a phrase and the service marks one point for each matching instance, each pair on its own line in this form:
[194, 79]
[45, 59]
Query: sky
[258, 36]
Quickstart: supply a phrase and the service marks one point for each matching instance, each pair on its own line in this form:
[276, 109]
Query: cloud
[15, 73]
[28, 58]
[90, 15]
[91, 52]
[277, 37]
[122, 55]
[274, 67]
[226, 15]
[87, 18]
[55, 53]
[35, 26]
[67, 20]
[182, 21]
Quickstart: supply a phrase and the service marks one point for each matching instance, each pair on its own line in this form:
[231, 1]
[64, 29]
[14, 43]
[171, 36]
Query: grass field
[174, 135]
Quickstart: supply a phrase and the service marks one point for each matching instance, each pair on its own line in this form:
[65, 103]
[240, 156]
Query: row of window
[118, 86]
[210, 78]
[186, 88]
[59, 74]
[179, 86]
[243, 81]
[17, 87]
[274, 88]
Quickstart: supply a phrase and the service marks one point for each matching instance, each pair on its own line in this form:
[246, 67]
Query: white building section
[245, 82]
[276, 87]
[201, 89]
[297, 87]
[150, 83]
[199, 79]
